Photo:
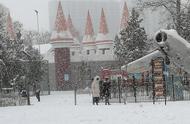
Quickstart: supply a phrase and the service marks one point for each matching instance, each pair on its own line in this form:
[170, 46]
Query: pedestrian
[38, 94]
[101, 90]
[95, 90]
[23, 93]
[106, 90]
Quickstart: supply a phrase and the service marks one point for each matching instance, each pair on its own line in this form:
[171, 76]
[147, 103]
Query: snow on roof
[143, 63]
[88, 38]
[61, 35]
[44, 48]
[173, 33]
[102, 37]
[147, 57]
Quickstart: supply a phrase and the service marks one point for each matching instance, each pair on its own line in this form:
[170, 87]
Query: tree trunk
[178, 15]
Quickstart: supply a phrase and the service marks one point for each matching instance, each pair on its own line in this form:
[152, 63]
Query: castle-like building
[77, 61]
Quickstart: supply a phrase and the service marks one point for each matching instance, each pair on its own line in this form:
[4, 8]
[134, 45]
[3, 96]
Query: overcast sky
[23, 11]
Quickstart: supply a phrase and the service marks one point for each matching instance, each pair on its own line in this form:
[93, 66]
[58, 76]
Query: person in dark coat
[106, 91]
[38, 94]
[101, 90]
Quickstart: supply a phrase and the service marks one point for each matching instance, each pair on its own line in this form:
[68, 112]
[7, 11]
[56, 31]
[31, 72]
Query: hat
[97, 78]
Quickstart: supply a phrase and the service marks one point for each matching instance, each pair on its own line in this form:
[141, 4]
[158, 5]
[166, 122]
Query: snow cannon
[174, 47]
[161, 38]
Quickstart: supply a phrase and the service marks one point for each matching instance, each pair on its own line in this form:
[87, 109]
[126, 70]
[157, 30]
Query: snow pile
[59, 109]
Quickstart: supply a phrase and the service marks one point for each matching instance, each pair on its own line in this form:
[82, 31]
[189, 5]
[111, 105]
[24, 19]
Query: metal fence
[177, 89]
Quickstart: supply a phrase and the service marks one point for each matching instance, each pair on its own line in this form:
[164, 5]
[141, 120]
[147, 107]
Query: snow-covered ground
[59, 108]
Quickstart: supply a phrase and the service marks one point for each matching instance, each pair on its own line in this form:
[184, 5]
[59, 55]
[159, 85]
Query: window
[88, 52]
[103, 51]
[66, 77]
[73, 53]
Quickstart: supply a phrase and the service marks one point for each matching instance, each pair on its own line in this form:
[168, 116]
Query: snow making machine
[153, 68]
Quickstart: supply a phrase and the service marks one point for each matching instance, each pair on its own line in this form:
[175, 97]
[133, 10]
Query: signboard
[158, 76]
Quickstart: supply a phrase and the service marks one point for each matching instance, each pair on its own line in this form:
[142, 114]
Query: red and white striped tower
[103, 39]
[10, 29]
[61, 41]
[88, 39]
[72, 28]
[125, 17]
[73, 31]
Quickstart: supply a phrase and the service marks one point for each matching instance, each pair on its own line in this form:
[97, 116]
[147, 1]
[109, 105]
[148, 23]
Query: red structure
[89, 27]
[60, 22]
[71, 27]
[125, 17]
[103, 25]
[10, 29]
[62, 40]
[108, 73]
[62, 65]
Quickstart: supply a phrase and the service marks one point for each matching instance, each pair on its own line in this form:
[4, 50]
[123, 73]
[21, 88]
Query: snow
[177, 48]
[103, 37]
[44, 48]
[142, 64]
[59, 109]
[173, 33]
[63, 34]
[88, 38]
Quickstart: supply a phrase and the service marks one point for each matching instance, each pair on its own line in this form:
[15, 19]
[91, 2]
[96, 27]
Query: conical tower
[103, 41]
[125, 17]
[103, 38]
[10, 29]
[71, 28]
[88, 42]
[61, 33]
[88, 39]
[103, 24]
[62, 41]
[73, 31]
[76, 47]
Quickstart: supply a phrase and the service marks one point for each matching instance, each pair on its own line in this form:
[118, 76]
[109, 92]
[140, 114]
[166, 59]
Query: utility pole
[38, 29]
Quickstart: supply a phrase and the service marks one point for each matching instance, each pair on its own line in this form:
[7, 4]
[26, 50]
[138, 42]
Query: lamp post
[37, 16]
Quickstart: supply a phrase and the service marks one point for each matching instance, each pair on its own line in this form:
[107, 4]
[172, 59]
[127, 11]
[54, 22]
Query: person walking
[106, 90]
[38, 94]
[95, 90]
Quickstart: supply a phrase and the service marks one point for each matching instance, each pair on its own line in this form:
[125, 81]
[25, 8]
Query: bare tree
[175, 9]
[33, 37]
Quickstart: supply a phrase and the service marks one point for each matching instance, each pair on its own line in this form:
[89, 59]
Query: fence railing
[176, 90]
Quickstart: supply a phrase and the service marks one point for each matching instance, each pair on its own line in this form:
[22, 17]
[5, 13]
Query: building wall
[52, 79]
[62, 67]
[95, 54]
[81, 73]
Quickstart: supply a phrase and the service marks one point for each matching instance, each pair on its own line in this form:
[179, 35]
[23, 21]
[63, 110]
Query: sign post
[159, 86]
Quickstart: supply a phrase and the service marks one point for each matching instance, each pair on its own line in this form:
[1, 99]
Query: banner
[158, 76]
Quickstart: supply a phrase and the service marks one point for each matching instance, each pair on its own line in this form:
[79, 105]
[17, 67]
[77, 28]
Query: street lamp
[37, 15]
